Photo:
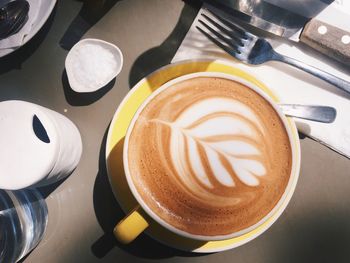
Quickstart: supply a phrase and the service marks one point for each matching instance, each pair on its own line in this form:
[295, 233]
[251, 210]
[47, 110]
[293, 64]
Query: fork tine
[236, 37]
[216, 42]
[227, 41]
[229, 23]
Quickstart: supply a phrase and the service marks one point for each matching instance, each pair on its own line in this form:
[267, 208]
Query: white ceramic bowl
[74, 64]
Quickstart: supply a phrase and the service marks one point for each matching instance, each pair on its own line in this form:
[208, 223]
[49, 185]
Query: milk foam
[219, 126]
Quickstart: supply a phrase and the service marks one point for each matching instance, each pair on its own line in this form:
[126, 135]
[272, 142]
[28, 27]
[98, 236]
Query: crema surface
[210, 156]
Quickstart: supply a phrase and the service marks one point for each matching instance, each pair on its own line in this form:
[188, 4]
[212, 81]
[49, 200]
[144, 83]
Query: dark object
[13, 16]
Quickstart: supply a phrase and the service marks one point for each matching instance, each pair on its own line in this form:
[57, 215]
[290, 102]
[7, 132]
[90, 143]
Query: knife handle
[329, 40]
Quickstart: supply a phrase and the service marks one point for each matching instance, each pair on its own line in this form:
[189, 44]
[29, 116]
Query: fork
[255, 50]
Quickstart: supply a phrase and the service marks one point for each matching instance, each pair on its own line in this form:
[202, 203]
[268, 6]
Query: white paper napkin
[16, 40]
[290, 84]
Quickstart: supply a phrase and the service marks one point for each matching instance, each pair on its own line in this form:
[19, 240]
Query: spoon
[13, 16]
[317, 113]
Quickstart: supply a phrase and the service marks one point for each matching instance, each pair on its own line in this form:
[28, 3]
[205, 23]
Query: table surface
[82, 209]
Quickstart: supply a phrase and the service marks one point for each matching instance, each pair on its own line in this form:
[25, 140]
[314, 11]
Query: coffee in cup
[208, 157]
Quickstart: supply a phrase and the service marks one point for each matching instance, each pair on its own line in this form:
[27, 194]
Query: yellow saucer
[114, 152]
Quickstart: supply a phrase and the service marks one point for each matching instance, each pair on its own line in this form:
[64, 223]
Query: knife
[303, 23]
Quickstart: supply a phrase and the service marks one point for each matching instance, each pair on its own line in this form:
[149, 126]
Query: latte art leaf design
[217, 141]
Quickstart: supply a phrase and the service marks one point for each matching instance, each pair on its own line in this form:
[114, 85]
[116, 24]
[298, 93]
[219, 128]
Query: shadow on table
[91, 12]
[16, 58]
[109, 213]
[83, 99]
[321, 236]
[161, 55]
[45, 191]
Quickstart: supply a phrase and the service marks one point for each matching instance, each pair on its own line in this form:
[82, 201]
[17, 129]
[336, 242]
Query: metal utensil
[322, 25]
[317, 113]
[13, 16]
[254, 50]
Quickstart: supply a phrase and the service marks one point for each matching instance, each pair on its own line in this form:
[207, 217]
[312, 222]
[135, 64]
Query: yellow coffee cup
[138, 219]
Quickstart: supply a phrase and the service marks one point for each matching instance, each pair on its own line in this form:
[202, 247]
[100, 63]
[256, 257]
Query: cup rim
[293, 140]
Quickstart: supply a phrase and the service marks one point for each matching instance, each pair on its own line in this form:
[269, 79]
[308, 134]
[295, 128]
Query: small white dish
[91, 64]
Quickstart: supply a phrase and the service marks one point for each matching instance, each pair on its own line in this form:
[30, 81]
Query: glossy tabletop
[82, 209]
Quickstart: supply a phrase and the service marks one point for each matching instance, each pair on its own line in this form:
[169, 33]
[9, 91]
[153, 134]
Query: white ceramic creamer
[38, 146]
